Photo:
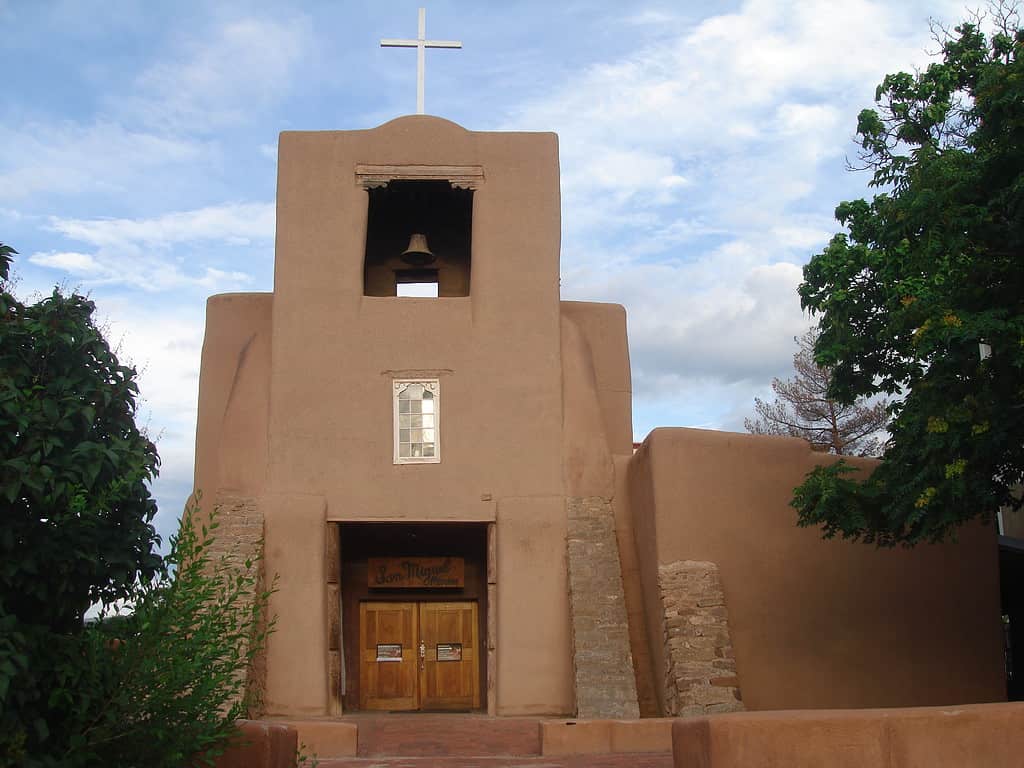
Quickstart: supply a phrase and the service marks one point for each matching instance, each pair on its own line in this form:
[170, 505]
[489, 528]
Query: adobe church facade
[448, 495]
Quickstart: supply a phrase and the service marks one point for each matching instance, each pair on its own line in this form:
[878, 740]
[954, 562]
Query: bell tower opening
[418, 233]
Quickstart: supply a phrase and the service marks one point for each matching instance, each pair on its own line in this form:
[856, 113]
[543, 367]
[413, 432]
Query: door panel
[449, 677]
[388, 656]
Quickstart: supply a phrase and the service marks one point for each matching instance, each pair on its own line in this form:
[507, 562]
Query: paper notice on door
[389, 652]
[449, 651]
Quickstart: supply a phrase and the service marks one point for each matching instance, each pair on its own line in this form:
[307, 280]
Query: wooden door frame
[491, 623]
[346, 590]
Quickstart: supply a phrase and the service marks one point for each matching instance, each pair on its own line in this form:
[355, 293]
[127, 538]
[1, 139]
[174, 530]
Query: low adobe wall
[813, 623]
[259, 744]
[974, 736]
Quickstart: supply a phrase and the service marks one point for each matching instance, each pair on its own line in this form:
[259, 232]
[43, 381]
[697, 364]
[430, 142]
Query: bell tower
[413, 398]
[440, 408]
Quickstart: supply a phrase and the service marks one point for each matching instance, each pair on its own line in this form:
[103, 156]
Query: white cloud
[150, 253]
[721, 320]
[224, 77]
[650, 17]
[700, 170]
[164, 344]
[802, 233]
[69, 158]
[242, 67]
[69, 261]
[738, 102]
[236, 223]
[800, 119]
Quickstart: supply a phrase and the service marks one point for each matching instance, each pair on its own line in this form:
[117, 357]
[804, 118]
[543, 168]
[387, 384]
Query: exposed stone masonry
[602, 662]
[700, 667]
[238, 538]
[239, 531]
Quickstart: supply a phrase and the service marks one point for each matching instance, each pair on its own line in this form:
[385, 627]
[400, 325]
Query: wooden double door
[419, 655]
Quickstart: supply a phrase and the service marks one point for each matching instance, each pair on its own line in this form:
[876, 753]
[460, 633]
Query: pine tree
[802, 408]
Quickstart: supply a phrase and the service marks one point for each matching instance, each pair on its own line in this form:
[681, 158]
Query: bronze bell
[418, 254]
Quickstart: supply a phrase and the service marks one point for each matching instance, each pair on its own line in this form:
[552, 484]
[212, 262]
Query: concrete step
[645, 760]
[460, 741]
[446, 735]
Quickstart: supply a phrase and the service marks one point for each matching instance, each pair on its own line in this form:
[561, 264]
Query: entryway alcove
[414, 616]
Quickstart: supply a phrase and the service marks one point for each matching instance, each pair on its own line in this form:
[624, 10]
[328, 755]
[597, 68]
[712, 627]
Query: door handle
[423, 655]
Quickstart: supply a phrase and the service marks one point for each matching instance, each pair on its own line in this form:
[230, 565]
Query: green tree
[74, 502]
[922, 297]
[162, 685]
[74, 468]
[803, 408]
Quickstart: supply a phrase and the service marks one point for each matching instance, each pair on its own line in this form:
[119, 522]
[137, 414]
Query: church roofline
[416, 121]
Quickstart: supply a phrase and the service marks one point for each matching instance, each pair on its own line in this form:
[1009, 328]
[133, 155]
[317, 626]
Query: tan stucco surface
[586, 460]
[973, 736]
[534, 646]
[495, 352]
[234, 382]
[815, 623]
[296, 397]
[296, 424]
[639, 641]
[297, 648]
[602, 327]
[596, 737]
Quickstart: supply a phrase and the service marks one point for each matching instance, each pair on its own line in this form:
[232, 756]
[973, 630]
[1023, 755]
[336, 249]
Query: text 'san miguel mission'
[416, 572]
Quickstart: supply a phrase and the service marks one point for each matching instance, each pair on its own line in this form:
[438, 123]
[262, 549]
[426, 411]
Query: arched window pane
[416, 421]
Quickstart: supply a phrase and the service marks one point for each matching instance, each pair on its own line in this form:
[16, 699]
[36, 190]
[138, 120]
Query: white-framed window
[417, 410]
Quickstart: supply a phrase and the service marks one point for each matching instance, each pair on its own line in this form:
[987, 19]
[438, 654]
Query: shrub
[181, 670]
[160, 685]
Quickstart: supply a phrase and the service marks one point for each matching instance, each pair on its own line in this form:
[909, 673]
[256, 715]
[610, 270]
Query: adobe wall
[596, 430]
[602, 328]
[814, 623]
[633, 592]
[234, 392]
[972, 736]
[495, 352]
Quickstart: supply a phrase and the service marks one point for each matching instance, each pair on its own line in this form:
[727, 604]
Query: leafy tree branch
[926, 280]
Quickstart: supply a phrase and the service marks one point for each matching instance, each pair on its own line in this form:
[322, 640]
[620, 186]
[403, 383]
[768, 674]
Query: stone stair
[448, 741]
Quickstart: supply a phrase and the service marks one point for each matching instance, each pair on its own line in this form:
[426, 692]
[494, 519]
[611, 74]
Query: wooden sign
[416, 572]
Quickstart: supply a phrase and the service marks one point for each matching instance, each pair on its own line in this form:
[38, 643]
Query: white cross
[420, 44]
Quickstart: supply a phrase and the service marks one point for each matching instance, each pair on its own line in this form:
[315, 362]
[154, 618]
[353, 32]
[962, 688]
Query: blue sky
[703, 150]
